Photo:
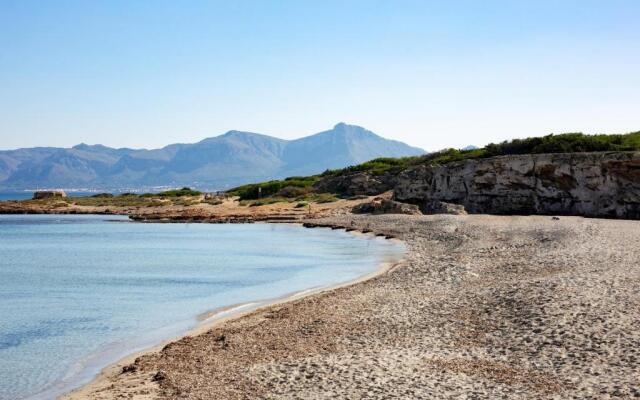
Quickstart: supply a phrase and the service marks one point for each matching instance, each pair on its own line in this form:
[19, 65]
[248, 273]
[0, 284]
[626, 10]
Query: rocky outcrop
[385, 206]
[440, 207]
[357, 183]
[589, 184]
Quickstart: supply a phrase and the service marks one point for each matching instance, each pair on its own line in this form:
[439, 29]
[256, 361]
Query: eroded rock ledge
[588, 184]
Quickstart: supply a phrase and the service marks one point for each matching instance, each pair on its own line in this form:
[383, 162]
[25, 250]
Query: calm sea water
[80, 292]
[28, 195]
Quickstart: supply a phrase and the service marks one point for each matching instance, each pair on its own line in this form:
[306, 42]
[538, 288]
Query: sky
[434, 74]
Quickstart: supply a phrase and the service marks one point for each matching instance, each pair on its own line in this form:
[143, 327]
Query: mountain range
[220, 162]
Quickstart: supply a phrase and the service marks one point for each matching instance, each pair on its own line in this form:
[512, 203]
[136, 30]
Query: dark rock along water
[79, 292]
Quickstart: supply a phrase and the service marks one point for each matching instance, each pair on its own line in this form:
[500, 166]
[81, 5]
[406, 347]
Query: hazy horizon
[294, 138]
[211, 136]
[432, 75]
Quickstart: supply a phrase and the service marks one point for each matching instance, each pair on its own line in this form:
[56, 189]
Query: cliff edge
[599, 184]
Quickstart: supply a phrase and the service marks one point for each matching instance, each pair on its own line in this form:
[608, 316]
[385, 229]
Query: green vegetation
[563, 143]
[213, 202]
[128, 200]
[320, 198]
[262, 202]
[292, 187]
[185, 191]
[177, 197]
[377, 166]
[301, 201]
[566, 143]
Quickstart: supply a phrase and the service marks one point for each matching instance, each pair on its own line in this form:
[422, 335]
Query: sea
[26, 195]
[80, 292]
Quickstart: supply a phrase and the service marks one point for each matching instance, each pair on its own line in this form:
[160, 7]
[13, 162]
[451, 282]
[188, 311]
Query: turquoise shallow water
[80, 292]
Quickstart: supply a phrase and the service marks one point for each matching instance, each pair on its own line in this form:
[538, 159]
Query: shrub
[293, 191]
[185, 191]
[376, 166]
[566, 143]
[213, 202]
[322, 198]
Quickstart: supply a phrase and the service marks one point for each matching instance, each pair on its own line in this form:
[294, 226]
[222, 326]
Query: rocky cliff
[357, 183]
[589, 184]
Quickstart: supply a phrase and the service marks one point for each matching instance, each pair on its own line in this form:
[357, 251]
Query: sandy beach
[318, 200]
[484, 307]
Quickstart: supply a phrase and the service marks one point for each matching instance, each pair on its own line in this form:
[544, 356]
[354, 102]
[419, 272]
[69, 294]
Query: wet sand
[484, 307]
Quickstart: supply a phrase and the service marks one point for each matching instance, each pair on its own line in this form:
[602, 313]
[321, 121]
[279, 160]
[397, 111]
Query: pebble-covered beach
[484, 307]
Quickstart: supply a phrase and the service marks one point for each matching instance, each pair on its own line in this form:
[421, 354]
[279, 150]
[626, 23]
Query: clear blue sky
[432, 73]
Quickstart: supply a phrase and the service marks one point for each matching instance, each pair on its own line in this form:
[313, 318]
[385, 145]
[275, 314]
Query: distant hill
[341, 146]
[219, 162]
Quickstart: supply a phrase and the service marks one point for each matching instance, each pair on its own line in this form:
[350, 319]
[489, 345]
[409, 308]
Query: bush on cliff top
[563, 143]
[377, 166]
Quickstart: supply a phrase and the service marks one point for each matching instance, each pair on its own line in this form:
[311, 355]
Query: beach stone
[441, 207]
[159, 376]
[129, 368]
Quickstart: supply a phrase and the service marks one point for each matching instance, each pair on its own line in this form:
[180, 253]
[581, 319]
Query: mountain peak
[243, 134]
[341, 126]
[229, 135]
[344, 129]
[91, 147]
[230, 159]
[234, 132]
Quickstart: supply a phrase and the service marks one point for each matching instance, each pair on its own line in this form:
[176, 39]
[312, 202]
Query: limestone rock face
[605, 184]
[358, 183]
[385, 206]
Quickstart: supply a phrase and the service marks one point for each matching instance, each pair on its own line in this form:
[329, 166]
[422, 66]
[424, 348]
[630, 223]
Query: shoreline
[230, 210]
[498, 306]
[218, 316]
